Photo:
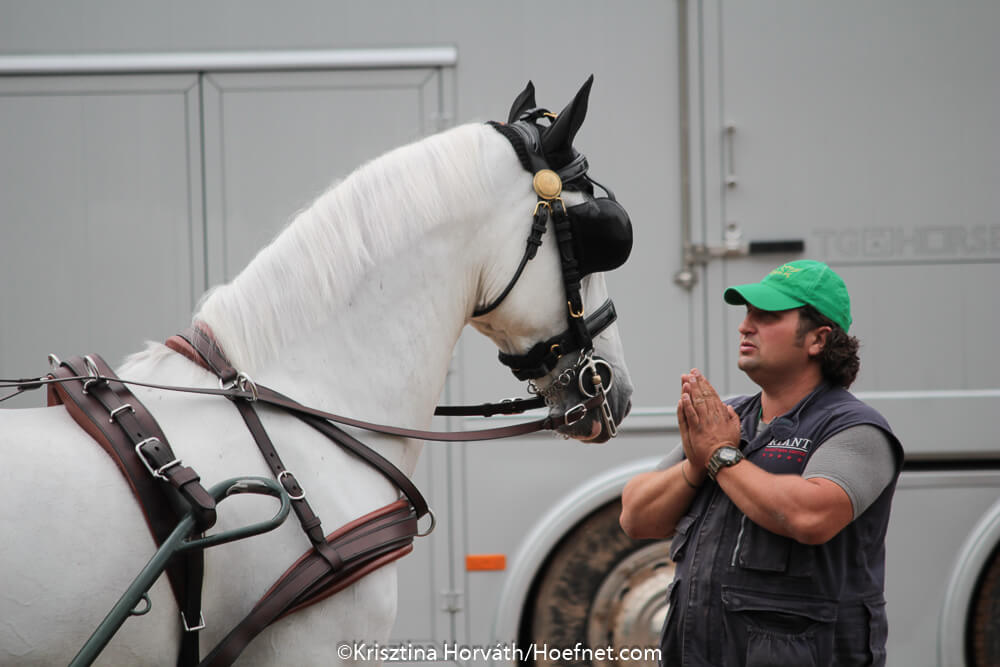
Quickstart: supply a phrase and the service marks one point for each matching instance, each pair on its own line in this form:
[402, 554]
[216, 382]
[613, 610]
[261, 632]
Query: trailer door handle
[729, 139]
[700, 254]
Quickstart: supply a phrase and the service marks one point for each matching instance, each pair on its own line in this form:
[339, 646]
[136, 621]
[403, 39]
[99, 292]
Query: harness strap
[119, 422]
[511, 406]
[366, 544]
[212, 357]
[571, 276]
[373, 458]
[542, 358]
[203, 343]
[307, 517]
[182, 345]
[538, 226]
[334, 562]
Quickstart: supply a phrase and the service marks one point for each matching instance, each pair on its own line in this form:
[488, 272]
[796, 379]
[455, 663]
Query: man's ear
[820, 337]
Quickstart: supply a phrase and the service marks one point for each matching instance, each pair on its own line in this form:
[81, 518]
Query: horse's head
[542, 295]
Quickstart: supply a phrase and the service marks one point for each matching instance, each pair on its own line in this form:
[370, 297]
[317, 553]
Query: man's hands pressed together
[706, 423]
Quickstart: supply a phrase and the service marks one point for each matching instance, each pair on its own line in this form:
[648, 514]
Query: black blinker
[602, 235]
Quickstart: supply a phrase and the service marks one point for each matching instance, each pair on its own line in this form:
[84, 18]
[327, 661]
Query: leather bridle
[595, 376]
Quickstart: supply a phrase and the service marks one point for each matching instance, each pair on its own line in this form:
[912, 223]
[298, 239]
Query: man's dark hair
[839, 359]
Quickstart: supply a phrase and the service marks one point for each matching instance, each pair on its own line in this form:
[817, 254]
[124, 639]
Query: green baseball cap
[794, 285]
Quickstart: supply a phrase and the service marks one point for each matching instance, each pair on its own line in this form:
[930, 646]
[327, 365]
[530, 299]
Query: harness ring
[433, 525]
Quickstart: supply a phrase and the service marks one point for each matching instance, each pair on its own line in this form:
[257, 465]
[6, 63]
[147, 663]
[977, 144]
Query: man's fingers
[705, 387]
[705, 393]
[691, 415]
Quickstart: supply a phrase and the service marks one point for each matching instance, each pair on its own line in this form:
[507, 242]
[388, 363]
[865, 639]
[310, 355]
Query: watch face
[727, 455]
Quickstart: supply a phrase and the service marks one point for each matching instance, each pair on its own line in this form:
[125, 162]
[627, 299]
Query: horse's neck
[372, 339]
[356, 307]
[383, 355]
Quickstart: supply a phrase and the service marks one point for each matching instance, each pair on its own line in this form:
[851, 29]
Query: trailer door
[868, 131]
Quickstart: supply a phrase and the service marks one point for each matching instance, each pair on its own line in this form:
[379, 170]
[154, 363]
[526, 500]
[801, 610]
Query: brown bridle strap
[548, 423]
[193, 340]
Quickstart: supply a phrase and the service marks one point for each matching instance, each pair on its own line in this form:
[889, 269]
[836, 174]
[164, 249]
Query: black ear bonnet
[593, 236]
[602, 229]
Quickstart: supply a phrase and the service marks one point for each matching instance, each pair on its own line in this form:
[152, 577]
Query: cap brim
[761, 296]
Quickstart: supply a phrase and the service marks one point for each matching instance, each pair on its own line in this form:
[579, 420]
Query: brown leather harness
[166, 489]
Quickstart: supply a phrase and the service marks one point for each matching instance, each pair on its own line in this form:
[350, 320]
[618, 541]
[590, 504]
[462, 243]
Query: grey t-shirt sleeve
[860, 460]
[673, 458]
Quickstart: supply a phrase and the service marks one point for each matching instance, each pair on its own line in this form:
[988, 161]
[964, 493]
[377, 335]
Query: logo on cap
[785, 270]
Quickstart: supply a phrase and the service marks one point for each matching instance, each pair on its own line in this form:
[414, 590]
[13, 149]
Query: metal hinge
[451, 601]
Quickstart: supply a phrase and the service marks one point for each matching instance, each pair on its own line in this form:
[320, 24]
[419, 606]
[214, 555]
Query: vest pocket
[766, 629]
[764, 551]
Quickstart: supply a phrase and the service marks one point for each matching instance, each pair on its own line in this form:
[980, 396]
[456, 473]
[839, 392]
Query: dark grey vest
[744, 596]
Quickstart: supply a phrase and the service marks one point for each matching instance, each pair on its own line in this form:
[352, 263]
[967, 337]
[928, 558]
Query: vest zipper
[739, 539]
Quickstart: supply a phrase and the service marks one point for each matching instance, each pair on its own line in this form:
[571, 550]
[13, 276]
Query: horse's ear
[523, 102]
[559, 137]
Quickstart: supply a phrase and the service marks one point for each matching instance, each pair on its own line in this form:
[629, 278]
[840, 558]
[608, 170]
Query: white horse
[353, 309]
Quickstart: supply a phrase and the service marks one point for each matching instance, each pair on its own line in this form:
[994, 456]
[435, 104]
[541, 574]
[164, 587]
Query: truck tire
[600, 593]
[985, 627]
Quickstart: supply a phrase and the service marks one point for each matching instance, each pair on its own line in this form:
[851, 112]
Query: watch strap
[716, 462]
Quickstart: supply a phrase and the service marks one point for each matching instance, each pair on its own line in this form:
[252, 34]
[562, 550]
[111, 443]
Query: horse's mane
[317, 261]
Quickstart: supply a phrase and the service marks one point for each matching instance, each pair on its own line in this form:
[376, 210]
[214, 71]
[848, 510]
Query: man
[778, 502]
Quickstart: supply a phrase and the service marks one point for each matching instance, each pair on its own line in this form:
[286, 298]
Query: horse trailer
[739, 135]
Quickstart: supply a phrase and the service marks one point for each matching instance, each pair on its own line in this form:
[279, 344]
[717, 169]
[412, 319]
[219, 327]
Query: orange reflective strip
[484, 562]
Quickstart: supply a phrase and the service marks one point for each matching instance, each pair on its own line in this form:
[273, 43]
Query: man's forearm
[811, 511]
[653, 502]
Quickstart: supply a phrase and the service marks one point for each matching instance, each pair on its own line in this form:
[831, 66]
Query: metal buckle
[301, 495]
[200, 626]
[120, 408]
[158, 473]
[570, 418]
[244, 383]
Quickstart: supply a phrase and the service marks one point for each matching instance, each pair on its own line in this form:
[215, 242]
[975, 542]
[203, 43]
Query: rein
[246, 389]
[543, 355]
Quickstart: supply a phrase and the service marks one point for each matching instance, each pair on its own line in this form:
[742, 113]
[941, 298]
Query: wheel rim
[631, 604]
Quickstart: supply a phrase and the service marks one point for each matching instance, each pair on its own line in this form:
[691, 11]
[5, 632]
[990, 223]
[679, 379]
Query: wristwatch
[723, 457]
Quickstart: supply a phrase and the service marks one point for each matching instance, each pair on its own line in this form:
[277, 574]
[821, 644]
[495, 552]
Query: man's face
[770, 347]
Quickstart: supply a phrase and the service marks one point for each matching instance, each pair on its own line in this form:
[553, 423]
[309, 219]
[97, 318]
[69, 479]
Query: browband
[526, 140]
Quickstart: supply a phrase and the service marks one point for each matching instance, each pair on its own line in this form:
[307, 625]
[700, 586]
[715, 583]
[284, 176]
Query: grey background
[866, 130]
